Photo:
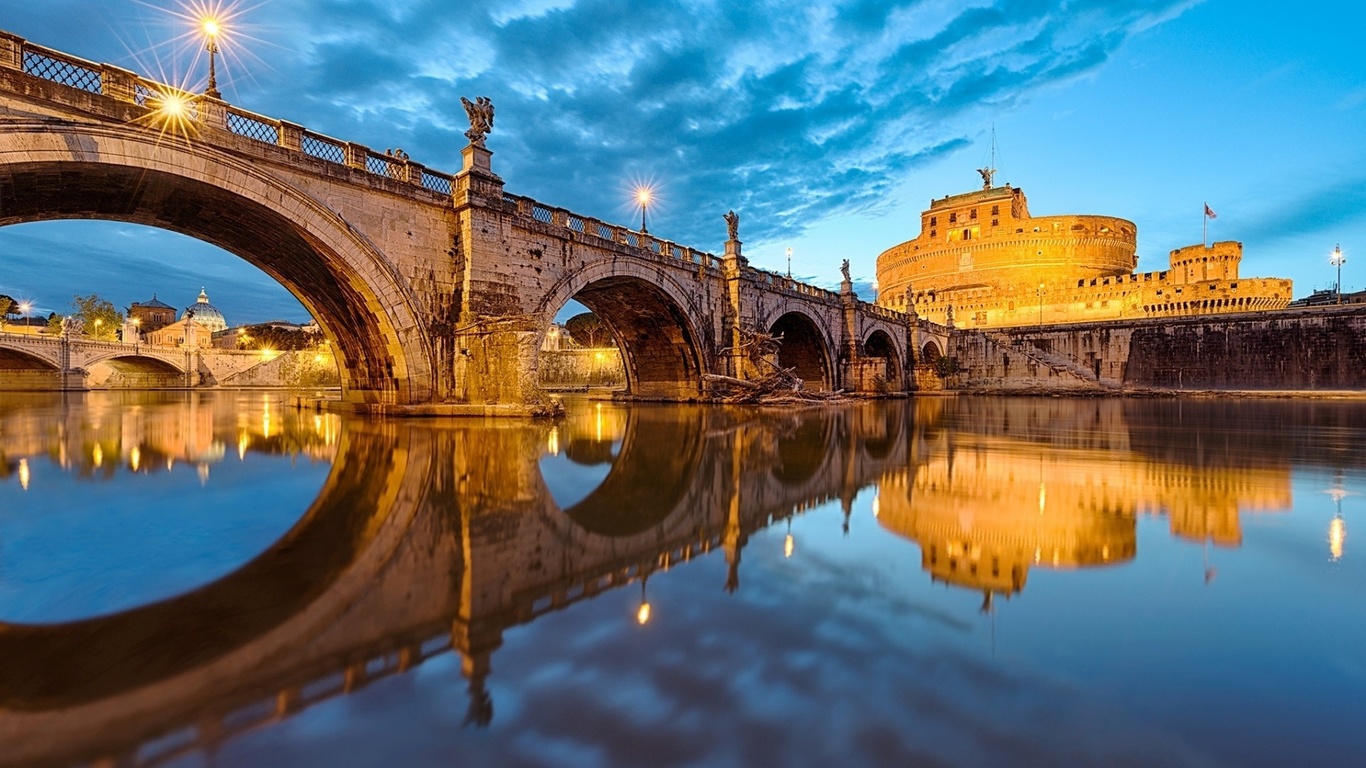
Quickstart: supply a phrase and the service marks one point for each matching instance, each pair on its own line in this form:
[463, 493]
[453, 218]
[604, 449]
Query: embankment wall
[1320, 348]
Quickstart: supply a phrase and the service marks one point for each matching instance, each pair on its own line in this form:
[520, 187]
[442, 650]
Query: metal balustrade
[383, 165]
[253, 127]
[62, 69]
[437, 182]
[323, 148]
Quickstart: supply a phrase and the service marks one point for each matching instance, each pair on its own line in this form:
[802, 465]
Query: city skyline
[829, 131]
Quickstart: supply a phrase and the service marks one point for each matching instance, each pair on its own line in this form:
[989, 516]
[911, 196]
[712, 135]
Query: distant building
[982, 261]
[195, 328]
[151, 315]
[205, 314]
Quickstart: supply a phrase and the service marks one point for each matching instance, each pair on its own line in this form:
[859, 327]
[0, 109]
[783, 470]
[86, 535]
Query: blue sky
[828, 125]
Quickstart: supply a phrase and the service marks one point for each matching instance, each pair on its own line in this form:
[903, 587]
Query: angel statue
[987, 174]
[480, 112]
[732, 225]
[844, 270]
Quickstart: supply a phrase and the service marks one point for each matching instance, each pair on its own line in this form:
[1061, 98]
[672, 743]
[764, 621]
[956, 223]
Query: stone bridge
[433, 288]
[33, 361]
[427, 537]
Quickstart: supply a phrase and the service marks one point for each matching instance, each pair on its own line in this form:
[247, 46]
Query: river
[197, 579]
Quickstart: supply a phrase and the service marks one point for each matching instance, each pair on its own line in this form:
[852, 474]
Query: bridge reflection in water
[431, 537]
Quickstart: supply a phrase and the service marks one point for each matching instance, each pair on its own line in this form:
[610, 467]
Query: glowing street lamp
[789, 263]
[24, 308]
[212, 30]
[1337, 260]
[643, 195]
[1040, 305]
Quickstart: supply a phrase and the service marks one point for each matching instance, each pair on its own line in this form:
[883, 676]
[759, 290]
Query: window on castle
[967, 234]
[934, 233]
[995, 222]
[934, 221]
[953, 218]
[995, 210]
[973, 215]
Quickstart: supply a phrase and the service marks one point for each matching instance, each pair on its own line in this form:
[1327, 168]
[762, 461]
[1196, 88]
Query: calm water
[212, 579]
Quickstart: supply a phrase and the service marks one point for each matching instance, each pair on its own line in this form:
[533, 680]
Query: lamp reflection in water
[789, 543]
[1337, 529]
[643, 613]
[23, 474]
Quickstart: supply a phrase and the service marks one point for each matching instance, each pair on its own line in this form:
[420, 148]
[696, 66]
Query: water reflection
[107, 501]
[438, 537]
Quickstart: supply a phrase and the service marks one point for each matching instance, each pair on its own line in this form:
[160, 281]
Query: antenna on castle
[989, 173]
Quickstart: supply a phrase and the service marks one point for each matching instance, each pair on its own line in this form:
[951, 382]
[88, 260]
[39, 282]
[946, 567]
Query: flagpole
[1204, 227]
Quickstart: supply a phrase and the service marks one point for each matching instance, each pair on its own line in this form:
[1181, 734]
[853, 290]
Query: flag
[1210, 212]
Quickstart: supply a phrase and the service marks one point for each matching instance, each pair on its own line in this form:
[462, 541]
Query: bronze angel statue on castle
[480, 113]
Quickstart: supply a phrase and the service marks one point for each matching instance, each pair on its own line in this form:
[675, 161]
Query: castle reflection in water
[433, 536]
[1018, 484]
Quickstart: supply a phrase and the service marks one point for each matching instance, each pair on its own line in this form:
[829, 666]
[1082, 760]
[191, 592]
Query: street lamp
[1041, 305]
[643, 199]
[789, 263]
[25, 307]
[211, 31]
[1337, 260]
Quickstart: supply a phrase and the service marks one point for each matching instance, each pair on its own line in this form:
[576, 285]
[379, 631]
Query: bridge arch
[880, 344]
[52, 170]
[930, 352]
[14, 355]
[805, 347]
[648, 315]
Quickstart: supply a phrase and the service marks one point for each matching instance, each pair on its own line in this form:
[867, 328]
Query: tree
[8, 306]
[99, 317]
[588, 330]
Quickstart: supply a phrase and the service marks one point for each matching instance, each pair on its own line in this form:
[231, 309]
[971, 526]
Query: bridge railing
[117, 83]
[561, 217]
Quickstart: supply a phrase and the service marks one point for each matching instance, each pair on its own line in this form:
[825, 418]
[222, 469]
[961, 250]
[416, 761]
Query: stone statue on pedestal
[732, 225]
[844, 270]
[480, 113]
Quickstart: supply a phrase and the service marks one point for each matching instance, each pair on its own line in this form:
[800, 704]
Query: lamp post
[1337, 260]
[1040, 305]
[643, 198]
[211, 31]
[789, 263]
[25, 307]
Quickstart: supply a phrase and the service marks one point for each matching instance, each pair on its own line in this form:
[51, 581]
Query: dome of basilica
[205, 314]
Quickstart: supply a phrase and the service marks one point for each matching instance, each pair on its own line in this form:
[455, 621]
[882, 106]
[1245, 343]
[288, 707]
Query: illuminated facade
[981, 260]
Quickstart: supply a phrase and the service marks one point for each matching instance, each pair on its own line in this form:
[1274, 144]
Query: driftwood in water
[780, 386]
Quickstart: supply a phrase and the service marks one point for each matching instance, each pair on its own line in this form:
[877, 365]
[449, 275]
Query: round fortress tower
[984, 254]
[981, 261]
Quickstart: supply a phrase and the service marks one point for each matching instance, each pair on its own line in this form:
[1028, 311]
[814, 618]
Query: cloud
[786, 116]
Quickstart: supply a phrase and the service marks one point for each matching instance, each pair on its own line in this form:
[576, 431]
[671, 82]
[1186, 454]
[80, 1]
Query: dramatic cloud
[787, 116]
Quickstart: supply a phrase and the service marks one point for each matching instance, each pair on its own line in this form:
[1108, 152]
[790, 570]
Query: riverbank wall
[1309, 349]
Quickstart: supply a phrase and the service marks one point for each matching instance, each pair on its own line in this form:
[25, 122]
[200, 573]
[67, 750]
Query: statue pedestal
[476, 158]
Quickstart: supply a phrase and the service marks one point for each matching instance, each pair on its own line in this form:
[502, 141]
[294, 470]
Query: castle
[982, 261]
